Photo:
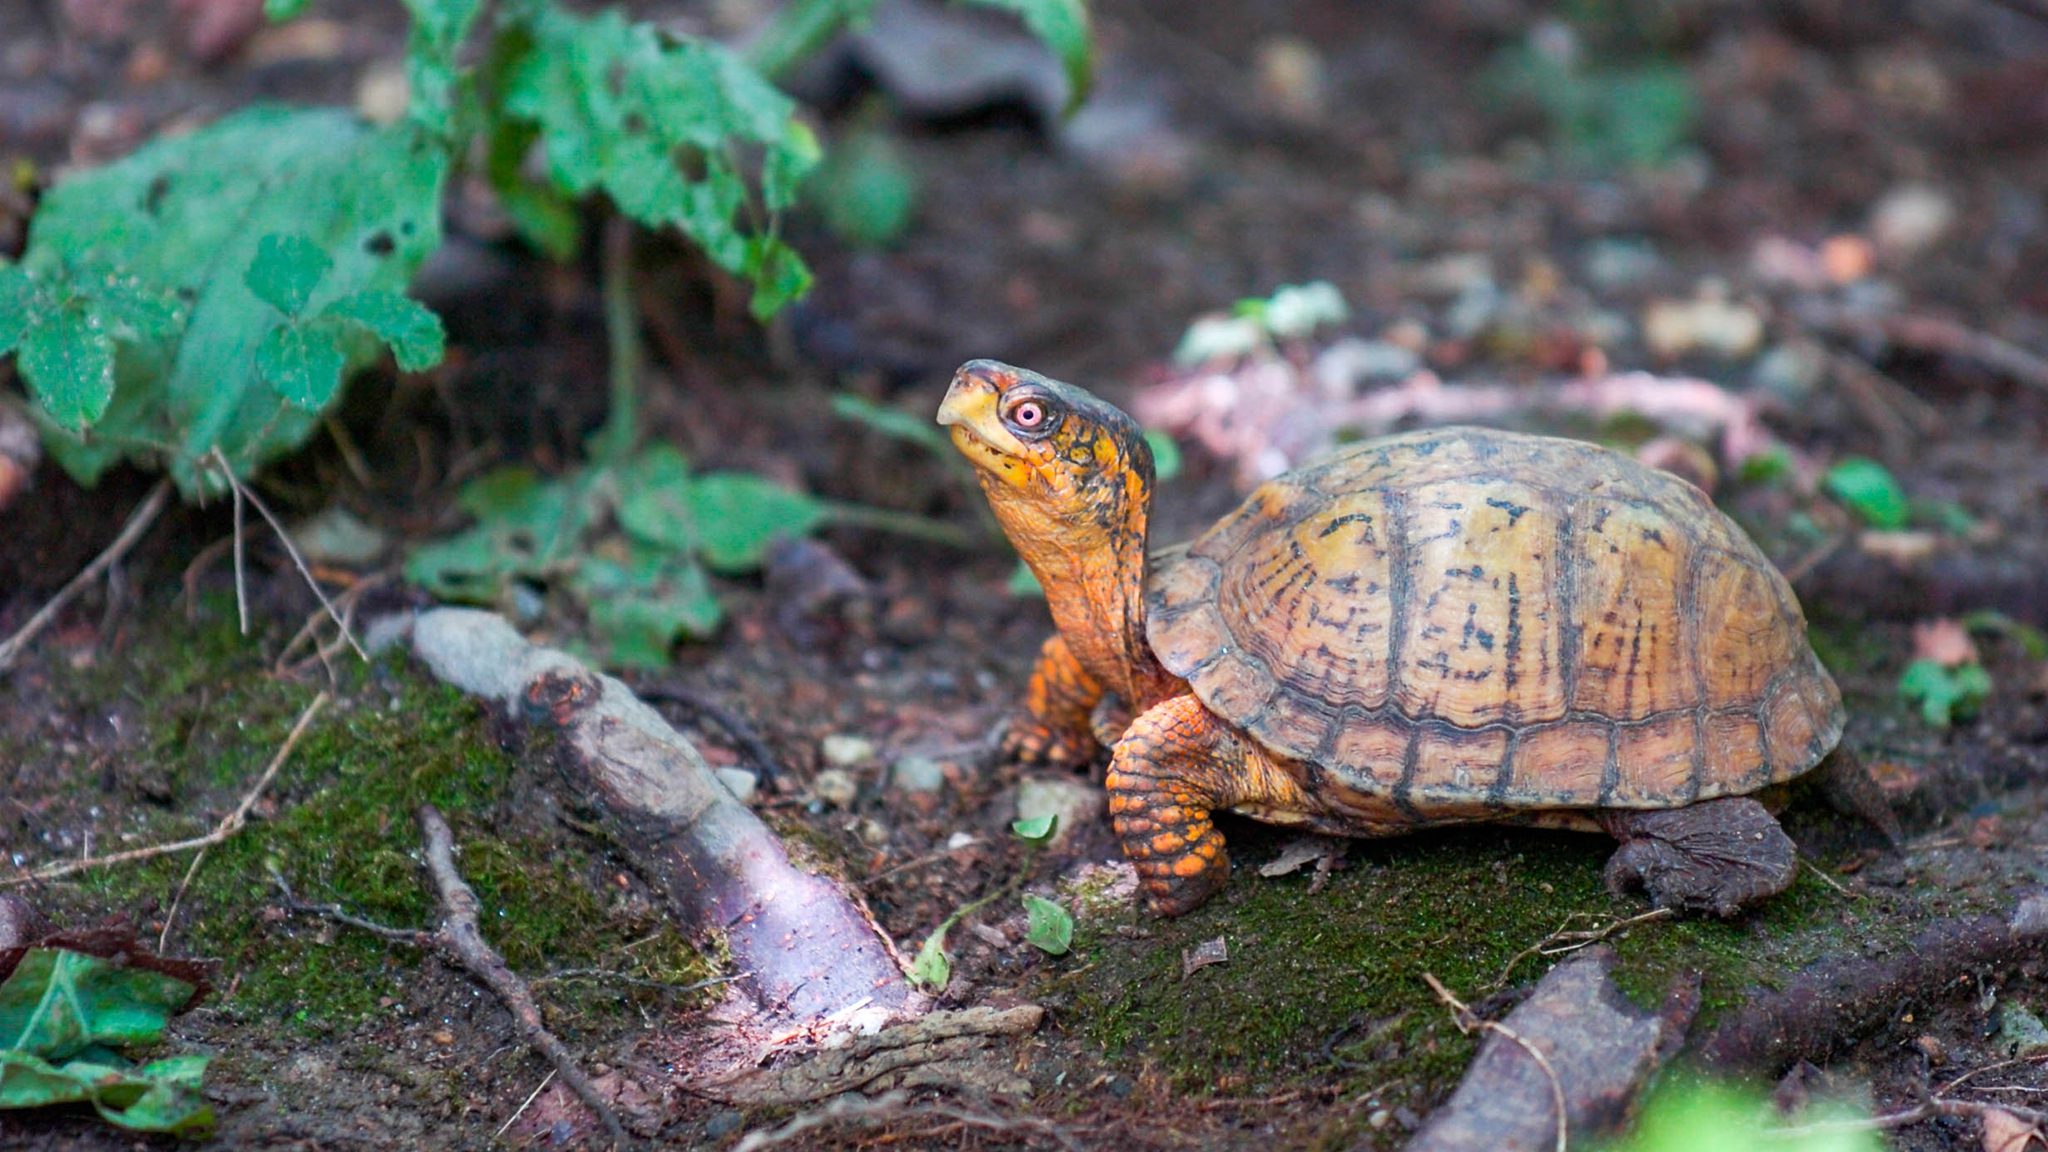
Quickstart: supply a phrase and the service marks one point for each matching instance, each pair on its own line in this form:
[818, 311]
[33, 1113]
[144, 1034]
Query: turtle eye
[1030, 416]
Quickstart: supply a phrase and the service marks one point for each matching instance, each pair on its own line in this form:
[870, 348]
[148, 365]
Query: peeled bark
[806, 949]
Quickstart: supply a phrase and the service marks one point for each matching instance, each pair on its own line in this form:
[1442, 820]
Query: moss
[338, 825]
[1329, 985]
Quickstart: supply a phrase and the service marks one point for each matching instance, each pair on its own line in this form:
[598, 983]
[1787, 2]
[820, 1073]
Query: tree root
[1835, 1001]
[939, 1050]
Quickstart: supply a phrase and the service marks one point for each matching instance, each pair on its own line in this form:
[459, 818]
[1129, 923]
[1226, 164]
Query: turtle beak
[970, 411]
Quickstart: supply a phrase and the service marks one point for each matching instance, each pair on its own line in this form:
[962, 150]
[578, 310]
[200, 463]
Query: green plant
[1686, 1115]
[1607, 99]
[62, 1013]
[1943, 693]
[633, 542]
[1050, 927]
[197, 305]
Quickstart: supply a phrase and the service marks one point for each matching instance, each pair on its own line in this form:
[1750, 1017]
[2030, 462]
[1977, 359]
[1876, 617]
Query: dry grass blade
[229, 825]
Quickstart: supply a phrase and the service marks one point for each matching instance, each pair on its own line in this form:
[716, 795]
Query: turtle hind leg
[1717, 856]
[1057, 725]
[1175, 765]
[1849, 788]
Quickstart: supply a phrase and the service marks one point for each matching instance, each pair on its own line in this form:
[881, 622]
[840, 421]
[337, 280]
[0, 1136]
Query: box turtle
[1440, 627]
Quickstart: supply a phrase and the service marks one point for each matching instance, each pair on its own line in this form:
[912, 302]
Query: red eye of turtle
[1028, 415]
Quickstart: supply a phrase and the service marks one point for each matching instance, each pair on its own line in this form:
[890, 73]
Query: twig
[567, 974]
[525, 1104]
[229, 825]
[243, 491]
[241, 570]
[138, 523]
[1926, 1110]
[742, 732]
[460, 937]
[1466, 1022]
[1561, 941]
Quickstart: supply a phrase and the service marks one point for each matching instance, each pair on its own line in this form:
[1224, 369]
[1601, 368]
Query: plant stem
[798, 31]
[905, 524]
[622, 328]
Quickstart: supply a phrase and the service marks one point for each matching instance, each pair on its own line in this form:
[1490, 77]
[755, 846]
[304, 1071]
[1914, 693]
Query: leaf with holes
[931, 970]
[413, 333]
[1050, 927]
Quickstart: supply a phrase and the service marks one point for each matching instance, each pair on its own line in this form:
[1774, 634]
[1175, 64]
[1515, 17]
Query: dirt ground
[1228, 149]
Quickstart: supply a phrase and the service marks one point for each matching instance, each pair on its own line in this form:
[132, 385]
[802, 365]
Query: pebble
[843, 751]
[1790, 372]
[1075, 802]
[1709, 323]
[738, 781]
[835, 787]
[917, 774]
[1910, 219]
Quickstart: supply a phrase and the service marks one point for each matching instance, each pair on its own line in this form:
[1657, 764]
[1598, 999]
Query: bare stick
[742, 732]
[243, 491]
[1935, 1106]
[229, 825]
[138, 523]
[1563, 940]
[241, 569]
[460, 936]
[1462, 1016]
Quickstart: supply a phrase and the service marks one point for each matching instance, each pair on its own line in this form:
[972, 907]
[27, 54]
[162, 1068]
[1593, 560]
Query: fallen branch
[1935, 336]
[229, 825]
[940, 1049]
[1926, 1110]
[894, 1106]
[1837, 1000]
[139, 521]
[1567, 1062]
[461, 939]
[810, 951]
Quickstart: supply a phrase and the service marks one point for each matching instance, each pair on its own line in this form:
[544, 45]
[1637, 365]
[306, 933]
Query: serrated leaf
[69, 365]
[654, 499]
[931, 970]
[413, 332]
[432, 51]
[1869, 490]
[303, 362]
[622, 109]
[1063, 27]
[1035, 829]
[285, 271]
[1945, 694]
[1050, 926]
[738, 515]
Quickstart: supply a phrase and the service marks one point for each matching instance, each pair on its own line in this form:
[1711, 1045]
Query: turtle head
[1051, 457]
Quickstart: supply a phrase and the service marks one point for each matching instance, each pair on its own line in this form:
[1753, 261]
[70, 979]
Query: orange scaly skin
[1059, 704]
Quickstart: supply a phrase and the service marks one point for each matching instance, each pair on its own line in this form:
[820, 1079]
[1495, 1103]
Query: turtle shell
[1461, 621]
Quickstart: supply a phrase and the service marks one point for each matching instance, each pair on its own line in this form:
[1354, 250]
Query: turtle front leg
[1175, 765]
[1056, 727]
[1717, 856]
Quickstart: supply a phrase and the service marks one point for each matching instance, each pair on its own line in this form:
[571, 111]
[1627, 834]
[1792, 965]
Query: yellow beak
[970, 411]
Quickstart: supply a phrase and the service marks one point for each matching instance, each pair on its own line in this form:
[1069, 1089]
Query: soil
[1204, 170]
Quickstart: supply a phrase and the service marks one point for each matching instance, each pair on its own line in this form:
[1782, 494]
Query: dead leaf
[1944, 641]
[1202, 955]
[1300, 851]
[2005, 1132]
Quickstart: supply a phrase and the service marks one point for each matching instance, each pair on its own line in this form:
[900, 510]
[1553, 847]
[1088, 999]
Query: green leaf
[1051, 927]
[304, 362]
[1165, 454]
[407, 326]
[1023, 583]
[931, 970]
[738, 515]
[69, 365]
[866, 190]
[622, 109]
[641, 606]
[279, 11]
[162, 246]
[1869, 490]
[1945, 695]
[1063, 26]
[1036, 829]
[285, 272]
[654, 499]
[432, 71]
[2031, 639]
[18, 296]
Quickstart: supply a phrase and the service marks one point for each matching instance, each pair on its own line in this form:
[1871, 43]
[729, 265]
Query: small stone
[1076, 803]
[1349, 362]
[338, 537]
[1708, 323]
[738, 781]
[1292, 81]
[19, 921]
[835, 787]
[723, 1124]
[1790, 372]
[844, 751]
[1379, 1119]
[443, 1037]
[872, 833]
[1847, 259]
[917, 774]
[2020, 1032]
[959, 840]
[1910, 219]
[383, 93]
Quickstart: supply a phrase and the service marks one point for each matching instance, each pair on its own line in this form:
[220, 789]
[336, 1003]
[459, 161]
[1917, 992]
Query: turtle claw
[1716, 857]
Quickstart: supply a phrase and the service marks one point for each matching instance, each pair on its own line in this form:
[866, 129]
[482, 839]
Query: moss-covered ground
[337, 825]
